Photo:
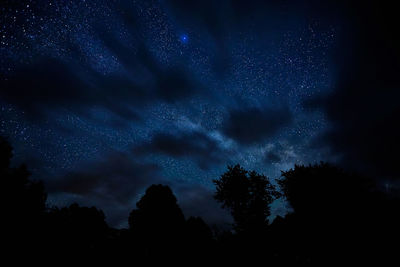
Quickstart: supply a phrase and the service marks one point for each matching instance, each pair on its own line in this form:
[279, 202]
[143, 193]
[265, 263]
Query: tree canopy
[248, 195]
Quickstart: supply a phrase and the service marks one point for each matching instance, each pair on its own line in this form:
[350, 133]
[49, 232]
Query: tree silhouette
[323, 190]
[157, 210]
[199, 243]
[339, 214]
[19, 193]
[23, 202]
[248, 196]
[157, 222]
[198, 230]
[78, 229]
[337, 217]
[5, 154]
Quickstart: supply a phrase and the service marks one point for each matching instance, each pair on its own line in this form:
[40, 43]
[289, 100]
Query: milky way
[159, 91]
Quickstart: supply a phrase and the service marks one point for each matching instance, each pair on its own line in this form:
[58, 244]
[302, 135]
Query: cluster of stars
[261, 70]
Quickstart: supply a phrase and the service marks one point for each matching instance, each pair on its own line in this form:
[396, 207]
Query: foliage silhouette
[323, 189]
[22, 202]
[341, 215]
[199, 243]
[5, 154]
[156, 222]
[337, 217]
[248, 196]
[157, 208]
[75, 223]
[21, 193]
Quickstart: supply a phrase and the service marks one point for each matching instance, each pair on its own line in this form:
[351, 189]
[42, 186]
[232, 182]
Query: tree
[22, 199]
[156, 210]
[331, 207]
[5, 154]
[23, 203]
[157, 223]
[248, 195]
[198, 230]
[199, 242]
[77, 229]
[324, 189]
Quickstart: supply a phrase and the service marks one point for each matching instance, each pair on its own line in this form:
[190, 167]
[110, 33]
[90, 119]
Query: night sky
[103, 98]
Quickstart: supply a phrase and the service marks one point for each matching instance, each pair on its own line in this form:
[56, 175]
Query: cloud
[50, 84]
[169, 84]
[197, 200]
[71, 82]
[113, 184]
[116, 182]
[255, 125]
[118, 177]
[272, 157]
[198, 146]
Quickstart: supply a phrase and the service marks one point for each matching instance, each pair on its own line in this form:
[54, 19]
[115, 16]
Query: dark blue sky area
[104, 98]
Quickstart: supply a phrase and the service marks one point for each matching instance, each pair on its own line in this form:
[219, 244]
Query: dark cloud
[113, 184]
[49, 85]
[118, 178]
[363, 109]
[197, 200]
[196, 146]
[170, 84]
[272, 157]
[255, 125]
[69, 82]
[116, 182]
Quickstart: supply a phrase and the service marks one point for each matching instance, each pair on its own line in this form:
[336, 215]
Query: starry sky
[104, 98]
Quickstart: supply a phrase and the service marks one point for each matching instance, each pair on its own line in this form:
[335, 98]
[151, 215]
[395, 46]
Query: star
[184, 38]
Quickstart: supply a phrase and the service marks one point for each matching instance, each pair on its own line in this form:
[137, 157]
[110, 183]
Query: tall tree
[158, 223]
[23, 203]
[248, 195]
[22, 199]
[330, 207]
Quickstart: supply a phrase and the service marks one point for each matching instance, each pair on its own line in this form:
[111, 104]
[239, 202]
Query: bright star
[184, 38]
